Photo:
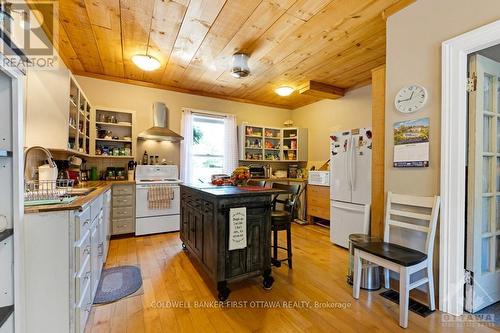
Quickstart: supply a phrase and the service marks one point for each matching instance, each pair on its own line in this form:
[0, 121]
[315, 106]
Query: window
[207, 153]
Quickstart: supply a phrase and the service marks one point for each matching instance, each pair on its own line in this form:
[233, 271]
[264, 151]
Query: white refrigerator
[350, 184]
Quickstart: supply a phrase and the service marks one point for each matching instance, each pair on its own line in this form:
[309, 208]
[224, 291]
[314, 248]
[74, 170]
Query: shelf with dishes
[78, 120]
[115, 135]
[261, 143]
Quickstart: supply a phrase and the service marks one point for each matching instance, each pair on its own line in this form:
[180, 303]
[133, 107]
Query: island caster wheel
[268, 282]
[275, 263]
[184, 246]
[224, 294]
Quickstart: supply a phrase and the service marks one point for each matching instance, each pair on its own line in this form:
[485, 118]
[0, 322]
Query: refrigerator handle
[346, 164]
[353, 163]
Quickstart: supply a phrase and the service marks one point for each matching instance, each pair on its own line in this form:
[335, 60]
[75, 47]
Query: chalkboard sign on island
[227, 232]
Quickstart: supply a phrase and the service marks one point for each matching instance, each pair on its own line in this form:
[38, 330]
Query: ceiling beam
[391, 10]
[321, 90]
[177, 89]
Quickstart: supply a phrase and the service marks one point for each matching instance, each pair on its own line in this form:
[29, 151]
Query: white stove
[153, 221]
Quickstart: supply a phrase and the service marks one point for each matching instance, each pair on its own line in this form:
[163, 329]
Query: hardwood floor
[173, 290]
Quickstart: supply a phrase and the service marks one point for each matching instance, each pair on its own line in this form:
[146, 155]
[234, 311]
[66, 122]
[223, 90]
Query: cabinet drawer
[123, 201]
[82, 223]
[123, 212]
[123, 190]
[82, 309]
[82, 250]
[82, 279]
[318, 191]
[124, 226]
[96, 206]
[318, 202]
[323, 213]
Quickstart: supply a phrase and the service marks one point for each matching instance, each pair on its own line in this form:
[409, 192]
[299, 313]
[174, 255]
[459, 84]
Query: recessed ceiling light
[146, 62]
[284, 91]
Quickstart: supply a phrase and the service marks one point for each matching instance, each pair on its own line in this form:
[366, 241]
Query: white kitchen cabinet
[64, 256]
[47, 108]
[106, 227]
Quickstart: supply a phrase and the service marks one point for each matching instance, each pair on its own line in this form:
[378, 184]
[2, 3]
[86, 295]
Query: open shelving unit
[79, 120]
[272, 144]
[115, 133]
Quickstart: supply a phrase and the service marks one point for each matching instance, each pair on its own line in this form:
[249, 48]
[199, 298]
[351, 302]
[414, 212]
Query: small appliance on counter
[131, 170]
[319, 178]
[257, 171]
[292, 170]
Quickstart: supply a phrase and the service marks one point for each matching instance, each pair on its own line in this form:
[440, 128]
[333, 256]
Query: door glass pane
[487, 133]
[486, 174]
[498, 213]
[487, 92]
[485, 254]
[486, 214]
[498, 175]
[498, 136]
[498, 95]
[497, 254]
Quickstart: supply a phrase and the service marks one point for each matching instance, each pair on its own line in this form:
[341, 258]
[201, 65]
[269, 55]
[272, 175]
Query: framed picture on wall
[411, 143]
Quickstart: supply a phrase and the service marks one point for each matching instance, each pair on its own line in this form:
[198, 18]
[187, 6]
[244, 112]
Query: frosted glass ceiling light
[240, 65]
[146, 62]
[284, 91]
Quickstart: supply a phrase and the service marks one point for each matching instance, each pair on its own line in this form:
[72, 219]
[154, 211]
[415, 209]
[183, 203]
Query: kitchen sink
[80, 191]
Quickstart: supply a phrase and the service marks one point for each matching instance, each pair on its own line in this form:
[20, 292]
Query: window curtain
[186, 145]
[231, 144]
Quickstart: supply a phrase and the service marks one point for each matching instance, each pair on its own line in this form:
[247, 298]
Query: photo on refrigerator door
[411, 143]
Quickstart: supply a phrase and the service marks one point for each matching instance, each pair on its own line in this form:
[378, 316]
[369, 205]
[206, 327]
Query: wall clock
[410, 98]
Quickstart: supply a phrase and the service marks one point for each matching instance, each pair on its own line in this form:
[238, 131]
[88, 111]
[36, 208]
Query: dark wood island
[205, 231]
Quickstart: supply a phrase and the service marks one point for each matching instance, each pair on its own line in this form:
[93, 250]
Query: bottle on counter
[145, 158]
[157, 160]
[151, 160]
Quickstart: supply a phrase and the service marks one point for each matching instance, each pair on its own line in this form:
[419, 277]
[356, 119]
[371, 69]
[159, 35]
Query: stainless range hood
[160, 131]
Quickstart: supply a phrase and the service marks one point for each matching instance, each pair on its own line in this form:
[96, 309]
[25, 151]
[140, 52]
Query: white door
[483, 198]
[347, 218]
[340, 182]
[361, 166]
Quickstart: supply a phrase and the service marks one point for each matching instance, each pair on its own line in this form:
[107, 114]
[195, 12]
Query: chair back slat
[413, 215]
[410, 200]
[397, 217]
[410, 226]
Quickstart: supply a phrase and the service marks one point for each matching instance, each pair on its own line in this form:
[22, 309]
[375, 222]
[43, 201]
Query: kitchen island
[207, 214]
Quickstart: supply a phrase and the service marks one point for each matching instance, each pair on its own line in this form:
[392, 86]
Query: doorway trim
[453, 161]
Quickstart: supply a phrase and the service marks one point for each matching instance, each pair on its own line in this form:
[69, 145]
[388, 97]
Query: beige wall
[414, 37]
[323, 117]
[140, 99]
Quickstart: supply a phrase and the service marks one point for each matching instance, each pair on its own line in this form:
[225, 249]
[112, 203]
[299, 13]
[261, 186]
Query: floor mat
[491, 310]
[117, 283]
[414, 306]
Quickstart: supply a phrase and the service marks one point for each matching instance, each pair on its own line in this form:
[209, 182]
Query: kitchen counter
[233, 191]
[281, 179]
[100, 186]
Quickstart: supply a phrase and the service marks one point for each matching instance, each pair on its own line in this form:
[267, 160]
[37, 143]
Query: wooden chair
[256, 182]
[282, 220]
[400, 259]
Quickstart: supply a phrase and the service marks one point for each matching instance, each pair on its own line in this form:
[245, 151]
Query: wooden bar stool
[281, 220]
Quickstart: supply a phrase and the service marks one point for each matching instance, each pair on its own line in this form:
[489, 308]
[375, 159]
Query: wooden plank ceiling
[290, 42]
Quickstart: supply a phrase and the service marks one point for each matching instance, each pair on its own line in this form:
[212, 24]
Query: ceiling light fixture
[146, 62]
[240, 66]
[284, 91]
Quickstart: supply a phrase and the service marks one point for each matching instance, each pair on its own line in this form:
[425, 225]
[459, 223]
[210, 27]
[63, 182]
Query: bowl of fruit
[240, 176]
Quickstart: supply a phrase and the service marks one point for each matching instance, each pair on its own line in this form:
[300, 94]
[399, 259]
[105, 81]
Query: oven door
[141, 203]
